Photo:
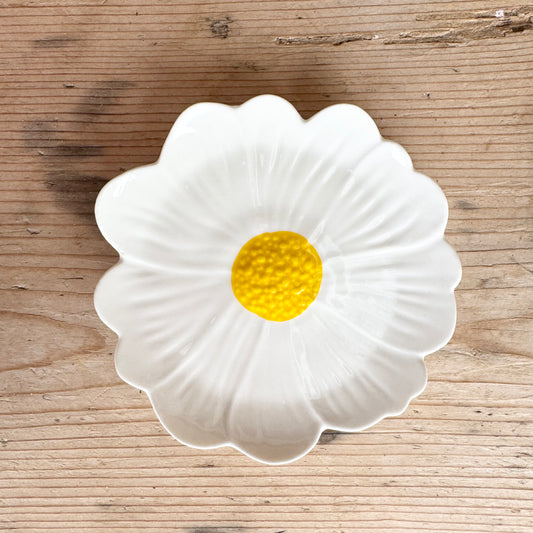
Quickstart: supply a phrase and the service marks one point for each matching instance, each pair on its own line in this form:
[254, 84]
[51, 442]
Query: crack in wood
[469, 26]
[463, 27]
[335, 39]
[217, 529]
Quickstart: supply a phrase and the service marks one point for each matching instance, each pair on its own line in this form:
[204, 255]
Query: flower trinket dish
[277, 276]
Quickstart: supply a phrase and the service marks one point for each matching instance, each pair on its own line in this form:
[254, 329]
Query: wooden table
[91, 88]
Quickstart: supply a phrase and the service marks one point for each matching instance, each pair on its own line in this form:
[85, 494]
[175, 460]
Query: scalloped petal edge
[180, 128]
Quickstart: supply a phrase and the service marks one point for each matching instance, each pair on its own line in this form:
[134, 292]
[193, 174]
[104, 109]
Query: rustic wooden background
[90, 88]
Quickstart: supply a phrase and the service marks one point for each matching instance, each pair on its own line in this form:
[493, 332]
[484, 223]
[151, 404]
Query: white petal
[158, 315]
[147, 217]
[226, 153]
[210, 130]
[384, 204]
[194, 398]
[404, 299]
[300, 170]
[271, 418]
[353, 380]
[243, 390]
[220, 160]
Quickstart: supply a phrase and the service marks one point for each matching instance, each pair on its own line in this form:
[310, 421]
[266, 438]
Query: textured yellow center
[277, 275]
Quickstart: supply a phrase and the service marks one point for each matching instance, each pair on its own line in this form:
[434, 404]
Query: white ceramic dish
[218, 374]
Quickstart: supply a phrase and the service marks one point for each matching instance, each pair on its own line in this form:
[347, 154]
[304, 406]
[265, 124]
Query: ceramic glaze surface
[218, 374]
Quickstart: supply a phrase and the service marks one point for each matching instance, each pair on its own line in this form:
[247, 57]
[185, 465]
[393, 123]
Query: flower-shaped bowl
[218, 374]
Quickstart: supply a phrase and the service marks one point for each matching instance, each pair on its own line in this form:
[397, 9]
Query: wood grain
[90, 88]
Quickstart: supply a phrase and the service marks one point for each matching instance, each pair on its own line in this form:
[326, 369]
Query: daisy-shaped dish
[277, 276]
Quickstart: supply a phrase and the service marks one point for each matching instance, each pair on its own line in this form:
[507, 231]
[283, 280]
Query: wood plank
[90, 88]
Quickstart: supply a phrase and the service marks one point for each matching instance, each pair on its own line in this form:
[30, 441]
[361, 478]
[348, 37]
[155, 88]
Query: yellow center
[277, 275]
